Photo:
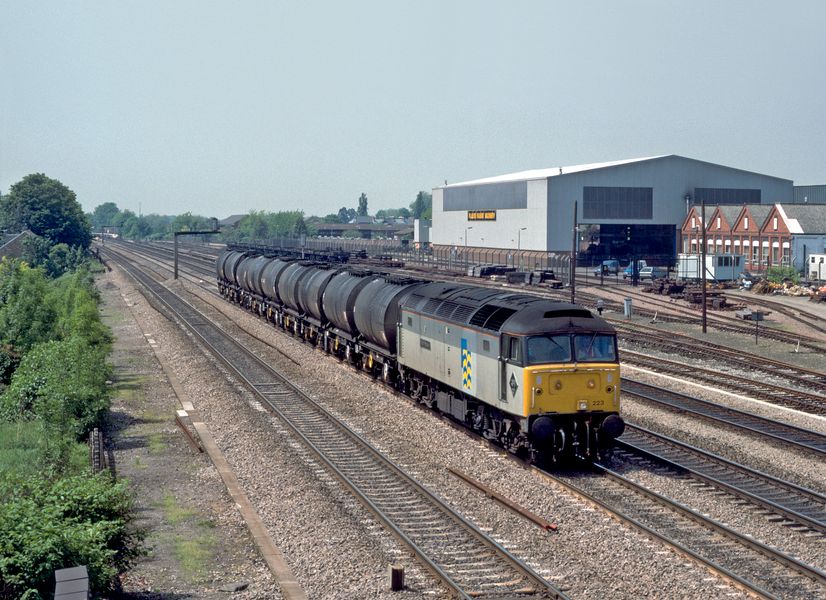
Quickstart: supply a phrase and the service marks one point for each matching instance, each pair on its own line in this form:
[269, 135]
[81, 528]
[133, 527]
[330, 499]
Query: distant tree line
[420, 208]
[108, 216]
[63, 233]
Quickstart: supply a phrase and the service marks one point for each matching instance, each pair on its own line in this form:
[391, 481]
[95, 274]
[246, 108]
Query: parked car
[746, 280]
[653, 273]
[608, 267]
[629, 270]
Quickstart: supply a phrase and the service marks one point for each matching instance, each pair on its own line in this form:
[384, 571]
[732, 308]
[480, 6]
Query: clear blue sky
[225, 107]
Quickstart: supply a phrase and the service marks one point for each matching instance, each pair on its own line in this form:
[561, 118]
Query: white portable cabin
[816, 267]
[719, 267]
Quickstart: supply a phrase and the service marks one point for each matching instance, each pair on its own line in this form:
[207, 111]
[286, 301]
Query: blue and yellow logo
[467, 367]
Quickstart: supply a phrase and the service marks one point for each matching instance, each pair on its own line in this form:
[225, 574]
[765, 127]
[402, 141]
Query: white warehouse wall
[548, 217]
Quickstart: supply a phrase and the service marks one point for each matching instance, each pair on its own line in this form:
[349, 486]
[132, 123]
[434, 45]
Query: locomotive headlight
[583, 405]
[591, 384]
[558, 385]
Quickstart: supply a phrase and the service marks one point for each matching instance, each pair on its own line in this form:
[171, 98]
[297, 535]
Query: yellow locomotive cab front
[572, 388]
[572, 392]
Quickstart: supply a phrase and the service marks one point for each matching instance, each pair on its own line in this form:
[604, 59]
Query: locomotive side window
[486, 345]
[595, 348]
[513, 350]
[549, 349]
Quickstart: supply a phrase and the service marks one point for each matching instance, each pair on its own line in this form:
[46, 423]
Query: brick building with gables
[766, 235]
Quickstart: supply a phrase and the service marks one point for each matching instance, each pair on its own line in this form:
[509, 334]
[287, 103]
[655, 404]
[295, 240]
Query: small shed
[719, 267]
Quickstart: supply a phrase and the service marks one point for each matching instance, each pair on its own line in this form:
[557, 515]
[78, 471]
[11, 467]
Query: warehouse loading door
[627, 241]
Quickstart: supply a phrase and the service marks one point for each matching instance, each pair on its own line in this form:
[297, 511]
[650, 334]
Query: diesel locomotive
[541, 378]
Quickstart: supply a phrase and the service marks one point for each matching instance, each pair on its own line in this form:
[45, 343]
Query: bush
[63, 383]
[779, 274]
[78, 520]
[76, 305]
[26, 318]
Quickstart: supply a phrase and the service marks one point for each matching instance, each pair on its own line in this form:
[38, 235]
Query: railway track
[798, 505]
[781, 572]
[466, 561]
[751, 565]
[688, 347]
[687, 314]
[805, 318]
[790, 435]
[810, 402]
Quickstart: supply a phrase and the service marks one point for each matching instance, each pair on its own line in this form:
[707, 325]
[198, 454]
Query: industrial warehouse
[621, 209]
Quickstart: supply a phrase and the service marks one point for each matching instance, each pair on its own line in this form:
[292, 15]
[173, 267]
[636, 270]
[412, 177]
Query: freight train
[541, 378]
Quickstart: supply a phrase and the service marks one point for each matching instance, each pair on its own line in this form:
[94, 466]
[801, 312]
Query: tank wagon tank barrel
[310, 295]
[540, 378]
[376, 309]
[339, 298]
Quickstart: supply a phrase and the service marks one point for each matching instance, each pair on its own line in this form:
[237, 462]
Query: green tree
[26, 318]
[253, 226]
[362, 209]
[52, 524]
[62, 383]
[46, 207]
[189, 222]
[55, 259]
[76, 300]
[422, 206]
[345, 215]
[104, 214]
[300, 227]
[155, 227]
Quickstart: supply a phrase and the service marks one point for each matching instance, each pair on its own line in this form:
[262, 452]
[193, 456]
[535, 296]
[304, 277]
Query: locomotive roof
[495, 310]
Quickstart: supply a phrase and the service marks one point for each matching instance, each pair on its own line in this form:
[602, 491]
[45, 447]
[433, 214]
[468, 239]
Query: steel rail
[814, 519]
[788, 434]
[685, 314]
[775, 394]
[727, 574]
[690, 347]
[773, 554]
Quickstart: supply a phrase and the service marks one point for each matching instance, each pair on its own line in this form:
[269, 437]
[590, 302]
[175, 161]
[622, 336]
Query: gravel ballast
[338, 551]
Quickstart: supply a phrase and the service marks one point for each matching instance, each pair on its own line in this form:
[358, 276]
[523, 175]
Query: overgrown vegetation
[53, 390]
[49, 524]
[781, 274]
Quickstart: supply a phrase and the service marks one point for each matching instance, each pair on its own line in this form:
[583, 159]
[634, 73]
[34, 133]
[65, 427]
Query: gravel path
[196, 541]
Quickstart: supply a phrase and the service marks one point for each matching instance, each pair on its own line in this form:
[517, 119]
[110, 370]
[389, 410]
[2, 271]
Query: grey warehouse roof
[550, 172]
[557, 171]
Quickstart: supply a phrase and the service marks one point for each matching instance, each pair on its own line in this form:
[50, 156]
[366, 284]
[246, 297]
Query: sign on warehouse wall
[481, 215]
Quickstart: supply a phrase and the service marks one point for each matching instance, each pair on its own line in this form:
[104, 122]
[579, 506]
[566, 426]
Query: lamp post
[703, 258]
[519, 244]
[466, 256]
[573, 255]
